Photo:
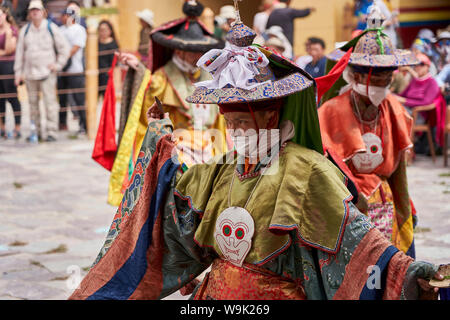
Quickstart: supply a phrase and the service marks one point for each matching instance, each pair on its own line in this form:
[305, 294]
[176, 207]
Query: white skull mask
[370, 160]
[234, 232]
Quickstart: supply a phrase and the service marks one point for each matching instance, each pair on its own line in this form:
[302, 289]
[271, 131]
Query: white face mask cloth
[246, 144]
[183, 65]
[376, 94]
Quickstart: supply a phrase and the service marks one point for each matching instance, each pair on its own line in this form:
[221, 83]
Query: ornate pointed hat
[373, 48]
[187, 34]
[244, 73]
[247, 78]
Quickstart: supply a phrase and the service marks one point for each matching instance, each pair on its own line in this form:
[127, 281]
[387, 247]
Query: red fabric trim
[254, 119]
[325, 83]
[105, 147]
[366, 254]
[396, 272]
[368, 80]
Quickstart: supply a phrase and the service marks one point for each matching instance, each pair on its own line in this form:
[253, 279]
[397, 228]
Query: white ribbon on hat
[235, 66]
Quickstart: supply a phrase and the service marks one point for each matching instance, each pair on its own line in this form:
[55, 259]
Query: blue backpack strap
[49, 27]
[27, 29]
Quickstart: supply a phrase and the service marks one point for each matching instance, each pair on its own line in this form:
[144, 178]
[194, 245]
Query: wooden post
[92, 81]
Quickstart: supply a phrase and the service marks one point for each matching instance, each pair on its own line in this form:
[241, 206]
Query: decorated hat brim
[295, 81]
[165, 35]
[173, 42]
[398, 59]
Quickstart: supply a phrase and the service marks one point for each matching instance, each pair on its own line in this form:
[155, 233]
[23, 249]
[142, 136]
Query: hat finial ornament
[375, 19]
[238, 14]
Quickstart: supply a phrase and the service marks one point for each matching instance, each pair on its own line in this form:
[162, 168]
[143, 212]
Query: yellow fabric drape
[133, 130]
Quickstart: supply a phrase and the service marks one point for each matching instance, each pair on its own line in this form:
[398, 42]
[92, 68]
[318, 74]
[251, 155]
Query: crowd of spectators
[47, 56]
[37, 63]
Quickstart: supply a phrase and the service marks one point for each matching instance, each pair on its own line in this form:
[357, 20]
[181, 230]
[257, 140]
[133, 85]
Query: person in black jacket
[284, 17]
[107, 43]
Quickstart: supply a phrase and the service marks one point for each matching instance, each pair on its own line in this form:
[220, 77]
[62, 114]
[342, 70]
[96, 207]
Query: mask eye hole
[226, 231]
[240, 233]
[374, 149]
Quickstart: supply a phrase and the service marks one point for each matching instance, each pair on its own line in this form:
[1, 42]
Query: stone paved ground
[54, 215]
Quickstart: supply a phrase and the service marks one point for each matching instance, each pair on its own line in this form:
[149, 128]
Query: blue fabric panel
[382, 264]
[444, 294]
[128, 278]
[412, 251]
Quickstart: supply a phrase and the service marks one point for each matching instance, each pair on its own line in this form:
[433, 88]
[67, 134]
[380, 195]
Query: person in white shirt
[73, 77]
[261, 18]
[41, 51]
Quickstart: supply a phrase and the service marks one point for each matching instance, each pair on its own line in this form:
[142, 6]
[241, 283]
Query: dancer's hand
[425, 284]
[128, 59]
[154, 114]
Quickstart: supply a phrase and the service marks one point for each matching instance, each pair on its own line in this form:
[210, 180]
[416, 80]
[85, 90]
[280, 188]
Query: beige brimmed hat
[228, 12]
[147, 16]
[36, 4]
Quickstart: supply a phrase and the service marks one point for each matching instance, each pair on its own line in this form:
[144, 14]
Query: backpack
[49, 30]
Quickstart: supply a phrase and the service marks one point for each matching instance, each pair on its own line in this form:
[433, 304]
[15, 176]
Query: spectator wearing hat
[424, 90]
[424, 43]
[41, 52]
[147, 24]
[442, 46]
[275, 44]
[74, 78]
[224, 20]
[276, 32]
[75, 5]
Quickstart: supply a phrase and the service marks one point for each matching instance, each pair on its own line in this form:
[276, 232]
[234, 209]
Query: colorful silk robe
[308, 233]
[385, 190]
[172, 87]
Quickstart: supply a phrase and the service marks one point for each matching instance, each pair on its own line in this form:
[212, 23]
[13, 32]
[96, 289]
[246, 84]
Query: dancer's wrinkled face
[189, 56]
[381, 79]
[251, 138]
[244, 120]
